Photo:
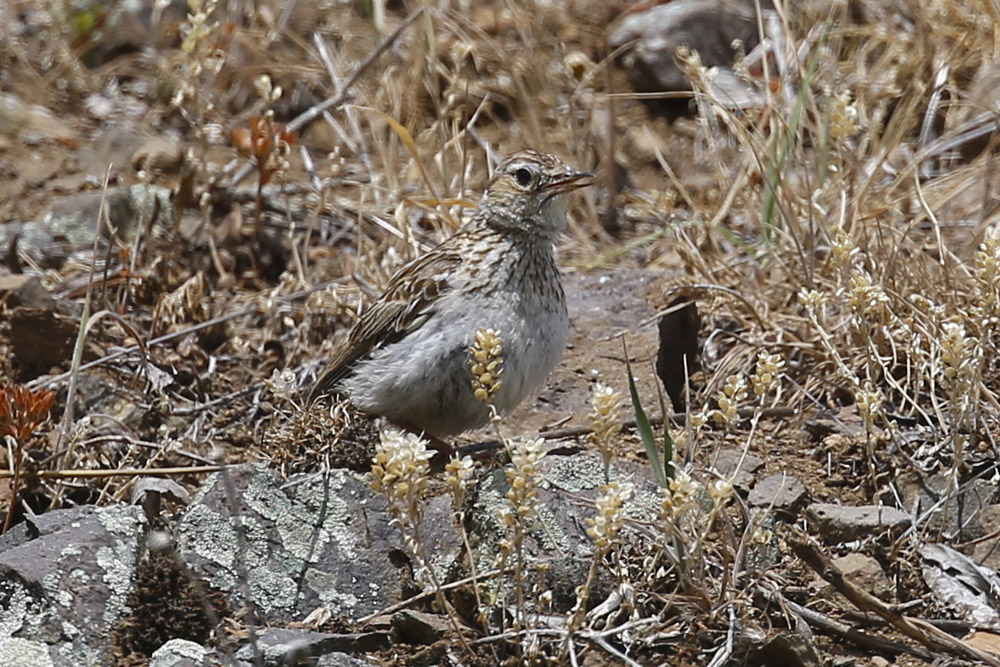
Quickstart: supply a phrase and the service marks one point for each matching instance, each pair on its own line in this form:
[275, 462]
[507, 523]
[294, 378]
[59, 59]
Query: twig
[75, 367]
[314, 112]
[810, 553]
[832, 627]
[99, 473]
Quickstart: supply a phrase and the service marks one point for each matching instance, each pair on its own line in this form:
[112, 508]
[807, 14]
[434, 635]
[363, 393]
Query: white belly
[424, 380]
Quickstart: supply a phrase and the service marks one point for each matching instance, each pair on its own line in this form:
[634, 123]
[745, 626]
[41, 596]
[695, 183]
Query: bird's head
[529, 194]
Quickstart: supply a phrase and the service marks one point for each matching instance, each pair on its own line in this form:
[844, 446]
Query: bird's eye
[523, 177]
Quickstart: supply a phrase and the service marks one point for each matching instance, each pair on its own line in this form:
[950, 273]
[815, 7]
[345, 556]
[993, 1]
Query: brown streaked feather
[405, 305]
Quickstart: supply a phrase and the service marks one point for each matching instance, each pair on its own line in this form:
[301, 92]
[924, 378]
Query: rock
[417, 627]
[127, 27]
[984, 641]
[558, 535]
[343, 660]
[708, 27]
[298, 646]
[159, 155]
[21, 241]
[148, 492]
[838, 523]
[107, 394]
[782, 492]
[15, 115]
[763, 548]
[739, 469]
[40, 339]
[71, 222]
[987, 552]
[19, 119]
[24, 653]
[64, 579]
[324, 542]
[20, 290]
[955, 518]
[74, 217]
[865, 572]
[184, 653]
[791, 649]
[844, 661]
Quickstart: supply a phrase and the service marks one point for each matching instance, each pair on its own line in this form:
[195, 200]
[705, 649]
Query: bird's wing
[408, 301]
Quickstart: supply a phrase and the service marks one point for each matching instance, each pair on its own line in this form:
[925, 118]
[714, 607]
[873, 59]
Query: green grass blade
[645, 429]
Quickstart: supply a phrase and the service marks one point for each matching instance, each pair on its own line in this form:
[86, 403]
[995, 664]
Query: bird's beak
[573, 180]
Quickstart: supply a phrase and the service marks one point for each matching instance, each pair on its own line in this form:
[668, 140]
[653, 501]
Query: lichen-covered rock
[558, 535]
[70, 224]
[64, 579]
[326, 541]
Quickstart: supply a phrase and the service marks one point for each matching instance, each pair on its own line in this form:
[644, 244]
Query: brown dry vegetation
[834, 227]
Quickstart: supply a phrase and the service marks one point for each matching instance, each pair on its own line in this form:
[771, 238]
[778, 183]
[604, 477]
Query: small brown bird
[407, 358]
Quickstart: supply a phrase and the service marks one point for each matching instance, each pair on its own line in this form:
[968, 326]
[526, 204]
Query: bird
[407, 357]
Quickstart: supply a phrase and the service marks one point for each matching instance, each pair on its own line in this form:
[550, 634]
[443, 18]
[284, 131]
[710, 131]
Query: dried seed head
[456, 475]
[524, 477]
[605, 526]
[680, 497]
[605, 420]
[767, 373]
[988, 275]
[843, 116]
[486, 363]
[812, 299]
[843, 252]
[866, 298]
[281, 383]
[720, 491]
[400, 470]
[870, 402]
[733, 394]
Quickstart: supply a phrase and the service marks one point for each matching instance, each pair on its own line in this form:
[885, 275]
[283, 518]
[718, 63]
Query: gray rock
[865, 572]
[24, 653]
[763, 548]
[987, 552]
[956, 516]
[324, 542]
[734, 466]
[183, 653]
[159, 154]
[781, 492]
[417, 627]
[838, 523]
[64, 579]
[74, 217]
[71, 222]
[791, 649]
[343, 660]
[708, 27]
[565, 502]
[295, 646]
